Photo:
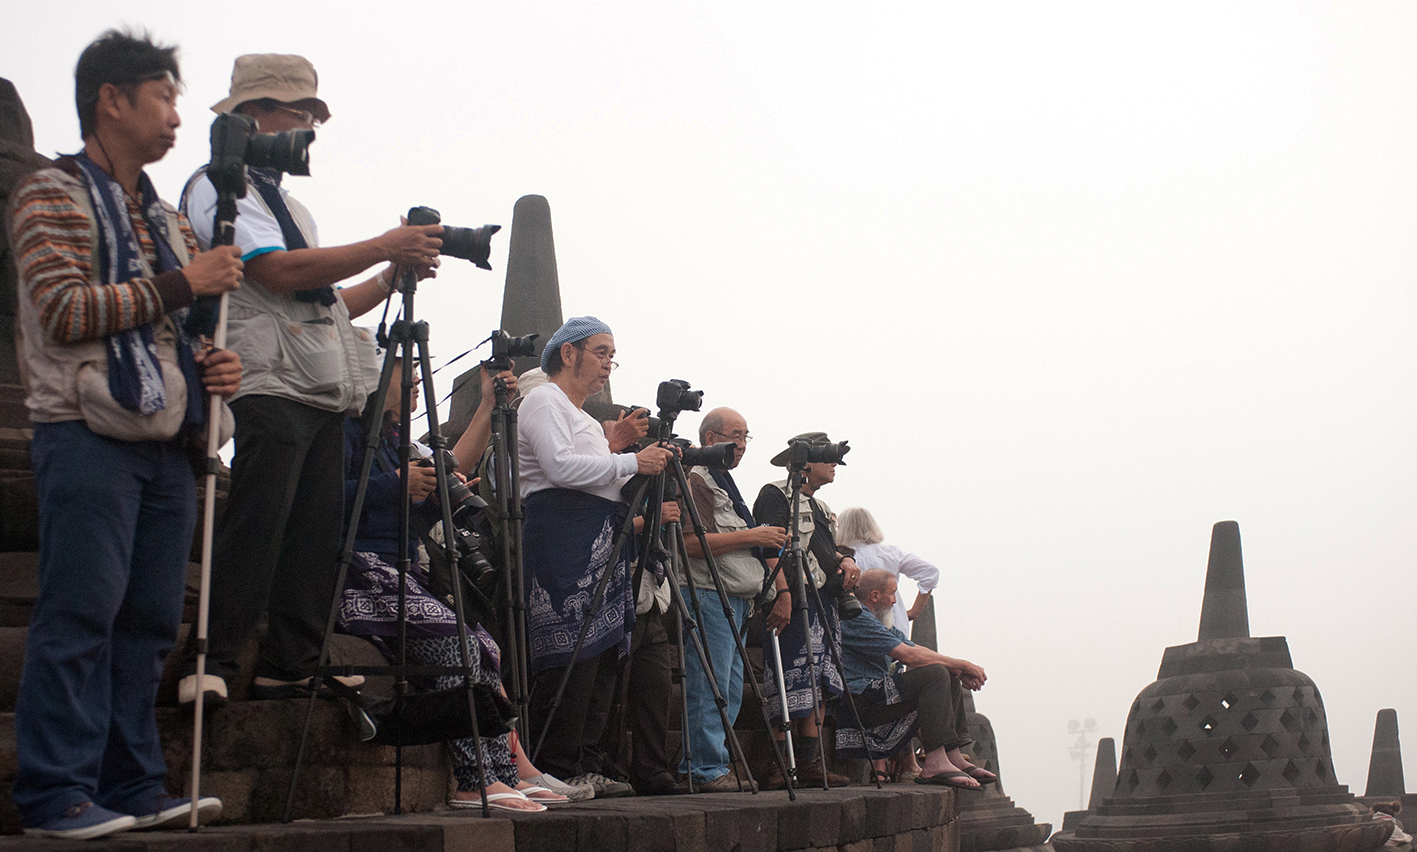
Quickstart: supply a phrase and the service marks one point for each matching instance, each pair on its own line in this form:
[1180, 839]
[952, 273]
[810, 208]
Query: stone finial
[531, 301]
[1104, 773]
[1385, 766]
[1224, 612]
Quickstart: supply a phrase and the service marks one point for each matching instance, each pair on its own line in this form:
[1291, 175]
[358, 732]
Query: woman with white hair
[857, 529]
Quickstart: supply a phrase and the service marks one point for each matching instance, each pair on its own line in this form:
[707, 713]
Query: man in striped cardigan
[114, 387]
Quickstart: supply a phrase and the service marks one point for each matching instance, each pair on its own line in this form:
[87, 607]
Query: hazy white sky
[1075, 280]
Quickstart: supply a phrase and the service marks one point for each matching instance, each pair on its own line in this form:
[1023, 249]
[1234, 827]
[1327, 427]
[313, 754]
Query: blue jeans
[115, 527]
[708, 742]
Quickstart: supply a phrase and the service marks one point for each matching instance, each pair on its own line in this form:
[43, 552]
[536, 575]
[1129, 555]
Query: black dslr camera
[505, 347]
[464, 502]
[236, 144]
[801, 453]
[674, 396]
[474, 244]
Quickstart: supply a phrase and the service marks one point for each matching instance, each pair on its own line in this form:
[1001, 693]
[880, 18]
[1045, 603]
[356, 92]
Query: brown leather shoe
[774, 780]
[811, 776]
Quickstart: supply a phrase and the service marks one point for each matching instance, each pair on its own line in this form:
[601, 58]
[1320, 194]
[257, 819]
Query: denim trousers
[115, 529]
[708, 743]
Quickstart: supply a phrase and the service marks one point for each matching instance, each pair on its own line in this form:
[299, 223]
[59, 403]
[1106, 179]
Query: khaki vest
[51, 370]
[805, 525]
[298, 350]
[741, 571]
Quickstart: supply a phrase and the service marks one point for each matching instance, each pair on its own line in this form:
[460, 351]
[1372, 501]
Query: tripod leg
[450, 540]
[847, 697]
[371, 444]
[782, 700]
[738, 643]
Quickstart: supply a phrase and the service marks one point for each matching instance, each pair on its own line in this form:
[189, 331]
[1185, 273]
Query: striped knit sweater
[54, 249]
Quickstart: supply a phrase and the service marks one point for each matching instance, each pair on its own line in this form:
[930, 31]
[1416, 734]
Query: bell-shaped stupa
[1228, 749]
[989, 821]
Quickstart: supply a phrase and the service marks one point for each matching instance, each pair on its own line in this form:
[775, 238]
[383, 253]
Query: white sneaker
[574, 792]
[213, 691]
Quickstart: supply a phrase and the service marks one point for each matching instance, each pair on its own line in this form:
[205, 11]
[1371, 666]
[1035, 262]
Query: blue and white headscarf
[574, 330]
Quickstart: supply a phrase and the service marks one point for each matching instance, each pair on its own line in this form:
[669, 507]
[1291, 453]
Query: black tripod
[658, 487]
[681, 484]
[405, 335]
[793, 564]
[507, 486]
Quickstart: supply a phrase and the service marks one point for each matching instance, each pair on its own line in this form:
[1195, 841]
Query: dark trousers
[277, 545]
[645, 701]
[938, 696]
[572, 745]
[115, 528]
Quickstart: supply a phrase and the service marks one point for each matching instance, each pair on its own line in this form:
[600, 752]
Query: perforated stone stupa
[1229, 748]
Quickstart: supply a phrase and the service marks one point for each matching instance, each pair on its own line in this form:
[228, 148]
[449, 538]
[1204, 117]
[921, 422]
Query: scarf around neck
[134, 372]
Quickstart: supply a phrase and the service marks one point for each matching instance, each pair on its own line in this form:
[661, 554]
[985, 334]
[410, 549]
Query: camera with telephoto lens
[802, 453]
[464, 502]
[719, 456]
[474, 244]
[674, 396]
[505, 347]
[236, 144]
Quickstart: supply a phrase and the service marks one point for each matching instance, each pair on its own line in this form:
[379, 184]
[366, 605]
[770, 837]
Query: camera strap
[267, 183]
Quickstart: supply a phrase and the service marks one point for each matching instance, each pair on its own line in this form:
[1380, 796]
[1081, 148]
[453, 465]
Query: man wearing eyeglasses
[570, 486]
[277, 545]
[736, 540]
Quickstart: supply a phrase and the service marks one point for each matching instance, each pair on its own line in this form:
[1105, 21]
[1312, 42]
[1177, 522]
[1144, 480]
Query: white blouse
[898, 562]
[561, 446]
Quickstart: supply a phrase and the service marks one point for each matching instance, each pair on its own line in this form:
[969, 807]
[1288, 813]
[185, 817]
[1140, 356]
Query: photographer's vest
[805, 526]
[303, 351]
[741, 571]
[50, 371]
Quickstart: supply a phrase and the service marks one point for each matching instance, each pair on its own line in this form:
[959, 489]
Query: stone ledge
[721, 822]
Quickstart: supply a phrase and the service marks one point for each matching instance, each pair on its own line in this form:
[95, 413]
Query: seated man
[927, 696]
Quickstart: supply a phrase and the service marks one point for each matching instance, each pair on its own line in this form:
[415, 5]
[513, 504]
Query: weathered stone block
[852, 824]
[545, 831]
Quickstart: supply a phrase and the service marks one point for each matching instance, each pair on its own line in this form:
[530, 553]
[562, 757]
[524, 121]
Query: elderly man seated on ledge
[893, 706]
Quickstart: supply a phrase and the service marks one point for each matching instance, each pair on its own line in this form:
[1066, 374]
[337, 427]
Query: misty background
[1075, 281]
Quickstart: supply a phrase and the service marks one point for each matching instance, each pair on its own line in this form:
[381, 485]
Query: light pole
[1079, 749]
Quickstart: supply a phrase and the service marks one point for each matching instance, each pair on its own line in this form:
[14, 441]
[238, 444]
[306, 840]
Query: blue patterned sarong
[886, 738]
[566, 542]
[797, 670]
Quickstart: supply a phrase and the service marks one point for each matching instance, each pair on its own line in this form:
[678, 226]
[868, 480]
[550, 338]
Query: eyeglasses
[305, 115]
[735, 437]
[602, 355]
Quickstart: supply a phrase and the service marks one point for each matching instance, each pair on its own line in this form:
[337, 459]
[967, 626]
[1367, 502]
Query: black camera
[802, 453]
[464, 502]
[675, 396]
[506, 347]
[474, 244]
[236, 144]
[720, 456]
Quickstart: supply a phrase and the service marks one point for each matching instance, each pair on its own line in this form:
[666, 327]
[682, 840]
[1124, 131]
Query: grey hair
[712, 422]
[857, 526]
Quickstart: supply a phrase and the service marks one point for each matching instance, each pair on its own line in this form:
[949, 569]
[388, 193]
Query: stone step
[13, 413]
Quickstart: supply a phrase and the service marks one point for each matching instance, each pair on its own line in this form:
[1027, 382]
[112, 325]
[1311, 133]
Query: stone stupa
[1104, 781]
[989, 821]
[1229, 748]
[1385, 781]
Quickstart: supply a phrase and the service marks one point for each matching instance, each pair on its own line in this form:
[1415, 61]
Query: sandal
[543, 795]
[980, 774]
[951, 779]
[495, 802]
[880, 775]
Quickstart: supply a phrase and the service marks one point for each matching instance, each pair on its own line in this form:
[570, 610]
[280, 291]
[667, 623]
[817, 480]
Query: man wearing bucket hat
[824, 562]
[570, 485]
[277, 545]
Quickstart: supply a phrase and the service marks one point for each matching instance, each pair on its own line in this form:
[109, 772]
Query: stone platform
[899, 818]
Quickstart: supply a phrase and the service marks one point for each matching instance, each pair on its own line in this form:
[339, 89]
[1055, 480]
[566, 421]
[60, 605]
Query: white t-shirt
[257, 230]
[560, 446]
[894, 560]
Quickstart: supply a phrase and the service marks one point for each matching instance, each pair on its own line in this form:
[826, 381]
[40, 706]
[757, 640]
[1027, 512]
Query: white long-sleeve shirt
[560, 446]
[898, 562]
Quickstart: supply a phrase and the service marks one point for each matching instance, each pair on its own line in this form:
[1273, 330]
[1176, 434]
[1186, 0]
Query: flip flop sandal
[982, 775]
[950, 779]
[551, 797]
[495, 802]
